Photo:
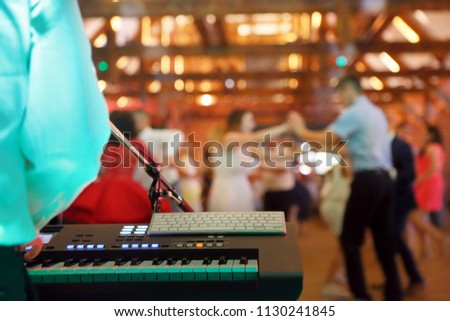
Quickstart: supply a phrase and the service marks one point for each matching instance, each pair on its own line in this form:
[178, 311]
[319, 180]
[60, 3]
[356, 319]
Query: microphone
[153, 169]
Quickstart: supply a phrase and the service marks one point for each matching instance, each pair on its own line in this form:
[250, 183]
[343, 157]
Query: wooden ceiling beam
[379, 24]
[373, 32]
[260, 50]
[344, 23]
[402, 5]
[213, 30]
[400, 47]
[423, 73]
[202, 30]
[218, 76]
[263, 93]
[220, 29]
[199, 8]
[221, 92]
[416, 26]
[225, 50]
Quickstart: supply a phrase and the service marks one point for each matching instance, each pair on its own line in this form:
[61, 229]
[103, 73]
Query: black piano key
[243, 260]
[99, 262]
[69, 262]
[33, 263]
[206, 261]
[171, 261]
[136, 261]
[120, 261]
[48, 263]
[156, 261]
[84, 262]
[185, 261]
[222, 260]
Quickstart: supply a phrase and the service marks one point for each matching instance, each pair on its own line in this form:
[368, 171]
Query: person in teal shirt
[53, 125]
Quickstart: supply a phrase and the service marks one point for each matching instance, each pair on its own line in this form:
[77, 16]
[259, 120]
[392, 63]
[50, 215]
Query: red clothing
[114, 197]
[110, 199]
[429, 193]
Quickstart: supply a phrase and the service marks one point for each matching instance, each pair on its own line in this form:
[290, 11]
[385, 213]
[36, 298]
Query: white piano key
[106, 272]
[212, 270]
[161, 271]
[251, 270]
[122, 272]
[145, 271]
[199, 270]
[141, 272]
[174, 271]
[187, 271]
[225, 270]
[238, 270]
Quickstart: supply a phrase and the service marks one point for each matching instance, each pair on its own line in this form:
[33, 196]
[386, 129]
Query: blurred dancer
[371, 199]
[429, 187]
[231, 189]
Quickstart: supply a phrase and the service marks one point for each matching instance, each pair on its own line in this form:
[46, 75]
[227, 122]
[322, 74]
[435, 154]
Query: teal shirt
[365, 127]
[53, 119]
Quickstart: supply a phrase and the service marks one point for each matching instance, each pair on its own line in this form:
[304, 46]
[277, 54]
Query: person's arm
[431, 153]
[345, 162]
[35, 248]
[259, 135]
[63, 145]
[404, 164]
[327, 138]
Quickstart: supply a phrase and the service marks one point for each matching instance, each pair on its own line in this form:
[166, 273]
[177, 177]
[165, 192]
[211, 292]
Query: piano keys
[145, 270]
[99, 262]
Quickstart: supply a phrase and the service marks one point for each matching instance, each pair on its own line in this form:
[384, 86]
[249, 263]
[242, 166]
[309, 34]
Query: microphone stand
[160, 187]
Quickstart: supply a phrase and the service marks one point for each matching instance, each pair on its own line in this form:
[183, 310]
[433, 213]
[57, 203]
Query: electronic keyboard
[122, 262]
